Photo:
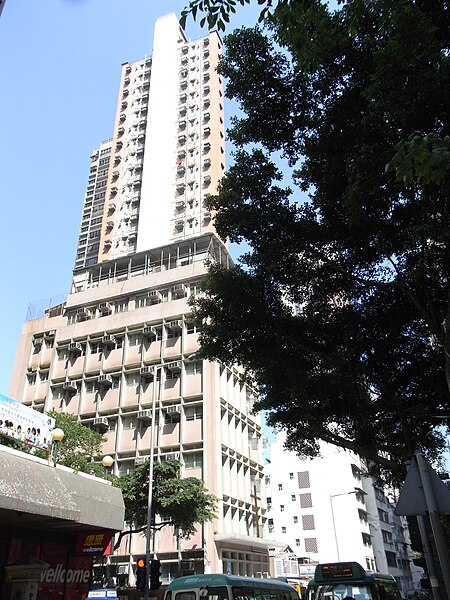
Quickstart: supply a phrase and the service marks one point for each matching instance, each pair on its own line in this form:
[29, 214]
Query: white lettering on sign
[61, 575]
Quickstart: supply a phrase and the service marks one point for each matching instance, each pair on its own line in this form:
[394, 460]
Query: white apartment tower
[327, 509]
[124, 337]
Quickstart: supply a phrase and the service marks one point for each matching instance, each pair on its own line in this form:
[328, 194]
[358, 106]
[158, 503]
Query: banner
[22, 423]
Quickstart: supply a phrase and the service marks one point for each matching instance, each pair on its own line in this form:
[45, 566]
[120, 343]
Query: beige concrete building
[124, 339]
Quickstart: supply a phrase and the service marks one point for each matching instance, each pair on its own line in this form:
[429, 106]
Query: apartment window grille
[121, 306]
[308, 522]
[305, 500]
[303, 479]
[310, 545]
[367, 541]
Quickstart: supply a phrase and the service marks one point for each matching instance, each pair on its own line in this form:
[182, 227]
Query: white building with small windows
[326, 510]
[121, 345]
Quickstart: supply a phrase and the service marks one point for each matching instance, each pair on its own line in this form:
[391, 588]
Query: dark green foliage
[184, 503]
[80, 445]
[356, 100]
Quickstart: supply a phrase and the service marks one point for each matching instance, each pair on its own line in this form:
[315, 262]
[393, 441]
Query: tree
[182, 503]
[355, 101]
[80, 445]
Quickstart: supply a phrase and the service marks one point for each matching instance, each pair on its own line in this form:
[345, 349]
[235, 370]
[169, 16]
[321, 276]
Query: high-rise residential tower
[123, 341]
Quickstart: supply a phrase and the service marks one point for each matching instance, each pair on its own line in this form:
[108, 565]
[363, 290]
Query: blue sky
[60, 72]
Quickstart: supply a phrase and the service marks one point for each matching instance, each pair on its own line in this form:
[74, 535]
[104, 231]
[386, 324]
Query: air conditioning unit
[149, 333]
[179, 290]
[105, 308]
[154, 296]
[174, 411]
[101, 423]
[104, 380]
[108, 340]
[179, 204]
[179, 225]
[75, 348]
[145, 416]
[69, 386]
[207, 216]
[174, 366]
[171, 456]
[139, 460]
[82, 314]
[175, 325]
[147, 372]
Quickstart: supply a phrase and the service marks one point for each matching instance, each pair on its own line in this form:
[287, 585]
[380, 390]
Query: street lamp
[107, 462]
[155, 395]
[57, 436]
[355, 491]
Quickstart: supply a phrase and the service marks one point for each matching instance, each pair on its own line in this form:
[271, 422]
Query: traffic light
[155, 574]
[141, 574]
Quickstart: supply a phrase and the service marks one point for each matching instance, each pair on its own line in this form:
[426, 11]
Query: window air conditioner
[105, 307]
[108, 340]
[104, 380]
[149, 332]
[145, 416]
[75, 348]
[174, 366]
[69, 386]
[175, 409]
[101, 422]
[178, 291]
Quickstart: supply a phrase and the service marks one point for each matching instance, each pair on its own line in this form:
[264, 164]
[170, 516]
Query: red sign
[90, 544]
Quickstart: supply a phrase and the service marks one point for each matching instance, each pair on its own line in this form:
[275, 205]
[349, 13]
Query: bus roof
[203, 580]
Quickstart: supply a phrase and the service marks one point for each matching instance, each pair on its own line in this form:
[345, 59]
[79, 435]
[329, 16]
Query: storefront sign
[90, 544]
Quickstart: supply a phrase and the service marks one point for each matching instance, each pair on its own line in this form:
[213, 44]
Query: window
[391, 559]
[31, 378]
[297, 541]
[303, 479]
[194, 368]
[283, 530]
[43, 376]
[281, 507]
[310, 545]
[96, 347]
[121, 306]
[190, 328]
[295, 519]
[291, 475]
[308, 522]
[387, 536]
[366, 539]
[305, 500]
[193, 461]
[133, 379]
[89, 386]
[383, 515]
[49, 342]
[267, 480]
[193, 413]
[293, 497]
[280, 486]
[135, 339]
[37, 344]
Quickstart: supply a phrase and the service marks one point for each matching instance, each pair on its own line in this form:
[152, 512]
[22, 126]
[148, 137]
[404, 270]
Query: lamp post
[107, 462]
[155, 396]
[57, 436]
[355, 491]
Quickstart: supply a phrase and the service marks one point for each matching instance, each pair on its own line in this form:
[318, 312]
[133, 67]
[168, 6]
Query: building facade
[327, 509]
[123, 342]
